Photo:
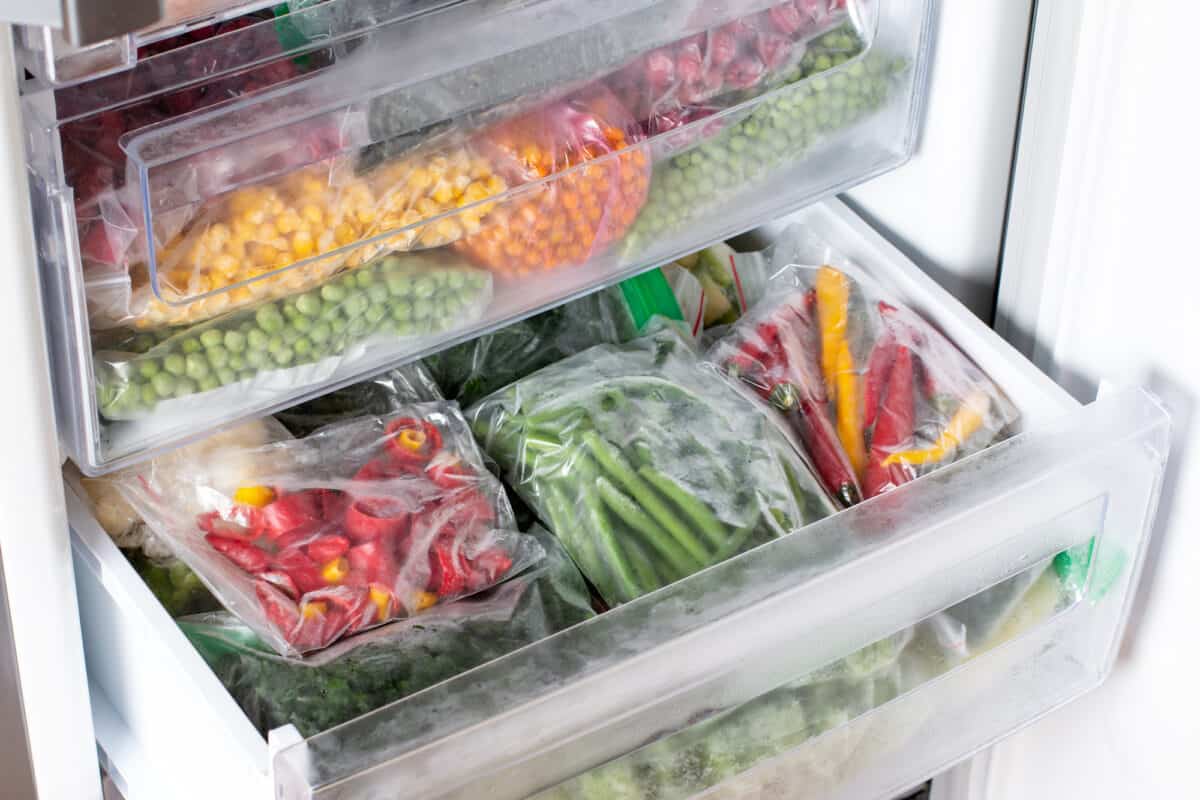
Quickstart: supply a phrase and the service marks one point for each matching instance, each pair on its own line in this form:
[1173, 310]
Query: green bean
[734, 544]
[633, 516]
[629, 586]
[693, 507]
[612, 462]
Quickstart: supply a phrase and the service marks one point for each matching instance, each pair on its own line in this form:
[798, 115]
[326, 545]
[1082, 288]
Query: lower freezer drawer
[854, 659]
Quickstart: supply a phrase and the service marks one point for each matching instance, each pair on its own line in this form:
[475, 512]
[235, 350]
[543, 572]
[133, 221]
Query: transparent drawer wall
[338, 214]
[852, 659]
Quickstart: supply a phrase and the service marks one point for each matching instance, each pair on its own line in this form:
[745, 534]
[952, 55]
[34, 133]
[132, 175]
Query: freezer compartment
[306, 199]
[885, 642]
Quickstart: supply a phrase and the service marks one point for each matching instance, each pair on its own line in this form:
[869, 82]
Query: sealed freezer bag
[386, 393]
[394, 302]
[645, 467]
[837, 83]
[474, 369]
[875, 394]
[699, 757]
[718, 68]
[582, 182]
[173, 583]
[280, 235]
[360, 523]
[369, 671]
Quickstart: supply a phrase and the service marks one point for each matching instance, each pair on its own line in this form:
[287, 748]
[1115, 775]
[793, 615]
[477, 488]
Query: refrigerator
[1008, 170]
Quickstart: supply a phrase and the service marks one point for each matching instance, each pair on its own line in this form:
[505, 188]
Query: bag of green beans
[645, 466]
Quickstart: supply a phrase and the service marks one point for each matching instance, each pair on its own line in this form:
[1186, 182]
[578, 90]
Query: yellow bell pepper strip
[833, 303]
[849, 411]
[965, 422]
[336, 571]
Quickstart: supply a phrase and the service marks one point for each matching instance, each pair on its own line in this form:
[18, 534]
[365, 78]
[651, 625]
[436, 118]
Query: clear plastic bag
[360, 523]
[875, 394]
[395, 301]
[646, 467]
[565, 221]
[715, 69]
[173, 583]
[386, 393]
[475, 369]
[366, 672]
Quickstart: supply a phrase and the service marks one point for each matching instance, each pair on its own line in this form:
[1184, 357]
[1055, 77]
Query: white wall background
[1111, 289]
[945, 208]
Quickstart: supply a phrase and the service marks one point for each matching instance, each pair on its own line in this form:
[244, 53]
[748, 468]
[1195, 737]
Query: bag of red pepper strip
[362, 522]
[874, 393]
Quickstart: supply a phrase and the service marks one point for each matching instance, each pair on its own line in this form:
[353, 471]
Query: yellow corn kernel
[420, 179]
[344, 233]
[313, 214]
[427, 207]
[425, 600]
[262, 253]
[474, 193]
[218, 235]
[287, 222]
[266, 232]
[303, 245]
[366, 215]
[313, 186]
[443, 194]
[257, 496]
[448, 230]
[335, 571]
[496, 184]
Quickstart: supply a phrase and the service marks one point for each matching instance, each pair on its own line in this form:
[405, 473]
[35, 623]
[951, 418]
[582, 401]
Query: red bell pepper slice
[449, 471]
[373, 562]
[303, 571]
[290, 511]
[489, 567]
[326, 548]
[282, 582]
[279, 609]
[244, 525]
[412, 441]
[897, 419]
[448, 569]
[246, 556]
[879, 368]
[370, 518]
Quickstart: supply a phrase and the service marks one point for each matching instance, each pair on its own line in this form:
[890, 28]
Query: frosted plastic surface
[178, 169]
[737, 631]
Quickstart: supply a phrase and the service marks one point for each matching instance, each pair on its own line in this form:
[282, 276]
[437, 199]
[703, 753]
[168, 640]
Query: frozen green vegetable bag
[364, 672]
[645, 466]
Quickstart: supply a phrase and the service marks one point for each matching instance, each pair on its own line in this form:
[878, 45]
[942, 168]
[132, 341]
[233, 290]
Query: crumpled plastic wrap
[876, 395]
[362, 522]
[369, 671]
[647, 468]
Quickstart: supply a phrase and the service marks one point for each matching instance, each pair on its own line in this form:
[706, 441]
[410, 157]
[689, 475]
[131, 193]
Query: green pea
[257, 340]
[184, 387]
[189, 346]
[290, 335]
[356, 304]
[208, 383]
[375, 314]
[303, 347]
[147, 367]
[148, 395]
[399, 285]
[226, 375]
[377, 293]
[235, 341]
[211, 338]
[197, 366]
[364, 277]
[237, 362]
[320, 332]
[424, 287]
[175, 364]
[284, 356]
[143, 342]
[164, 384]
[247, 375]
[269, 318]
[258, 359]
[302, 324]
[276, 342]
[420, 311]
[338, 325]
[218, 356]
[309, 304]
[356, 328]
[402, 310]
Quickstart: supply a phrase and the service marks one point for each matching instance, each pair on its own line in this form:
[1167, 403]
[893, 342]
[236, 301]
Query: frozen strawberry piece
[773, 50]
[722, 48]
[246, 556]
[744, 72]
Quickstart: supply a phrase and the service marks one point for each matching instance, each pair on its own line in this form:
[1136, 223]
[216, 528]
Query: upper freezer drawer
[385, 189]
[856, 657]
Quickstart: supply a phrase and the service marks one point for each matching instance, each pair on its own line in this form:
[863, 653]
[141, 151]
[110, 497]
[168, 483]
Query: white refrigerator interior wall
[945, 208]
[1118, 299]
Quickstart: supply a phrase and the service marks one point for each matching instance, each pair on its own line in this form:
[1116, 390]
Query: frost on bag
[646, 467]
[367, 672]
[362, 522]
[584, 183]
[472, 370]
[873, 392]
[260, 353]
[698, 75]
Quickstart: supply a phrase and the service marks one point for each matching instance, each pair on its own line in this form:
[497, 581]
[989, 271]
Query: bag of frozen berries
[362, 522]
